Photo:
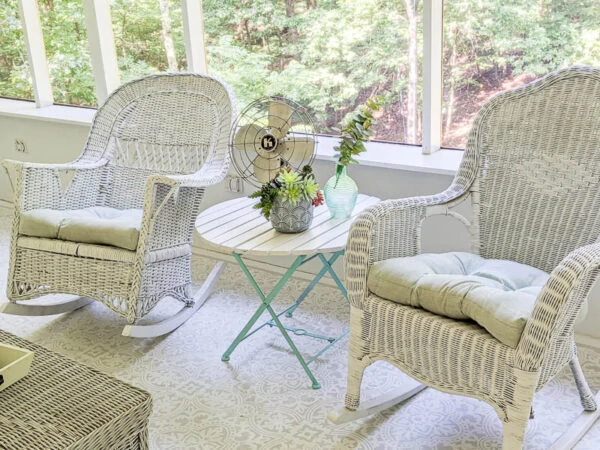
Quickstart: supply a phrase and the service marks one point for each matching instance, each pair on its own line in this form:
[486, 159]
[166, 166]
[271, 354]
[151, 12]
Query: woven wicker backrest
[168, 123]
[535, 153]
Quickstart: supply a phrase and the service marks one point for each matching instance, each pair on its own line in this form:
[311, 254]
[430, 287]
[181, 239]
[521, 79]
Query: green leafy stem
[356, 130]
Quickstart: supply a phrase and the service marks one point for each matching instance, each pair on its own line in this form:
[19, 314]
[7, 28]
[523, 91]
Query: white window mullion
[102, 47]
[36, 52]
[193, 30]
[432, 75]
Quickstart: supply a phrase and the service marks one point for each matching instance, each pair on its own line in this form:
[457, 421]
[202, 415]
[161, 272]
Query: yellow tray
[14, 364]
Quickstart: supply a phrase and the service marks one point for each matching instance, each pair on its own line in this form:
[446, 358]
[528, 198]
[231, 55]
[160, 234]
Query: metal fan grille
[270, 133]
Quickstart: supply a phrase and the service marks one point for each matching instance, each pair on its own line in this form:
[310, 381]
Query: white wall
[45, 141]
[58, 142]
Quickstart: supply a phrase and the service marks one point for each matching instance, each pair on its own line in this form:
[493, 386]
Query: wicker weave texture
[62, 404]
[531, 172]
[155, 144]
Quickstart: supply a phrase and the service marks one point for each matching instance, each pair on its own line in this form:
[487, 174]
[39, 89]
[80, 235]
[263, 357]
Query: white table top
[235, 225]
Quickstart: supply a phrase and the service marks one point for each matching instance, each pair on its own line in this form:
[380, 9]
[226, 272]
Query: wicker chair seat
[497, 294]
[95, 225]
[76, 249]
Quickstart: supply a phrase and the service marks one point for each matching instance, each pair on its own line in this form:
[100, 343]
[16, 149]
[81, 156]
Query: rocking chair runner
[116, 225]
[531, 170]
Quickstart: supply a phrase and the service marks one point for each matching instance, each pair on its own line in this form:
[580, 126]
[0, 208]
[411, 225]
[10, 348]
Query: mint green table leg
[327, 265]
[266, 305]
[315, 383]
[266, 301]
[326, 268]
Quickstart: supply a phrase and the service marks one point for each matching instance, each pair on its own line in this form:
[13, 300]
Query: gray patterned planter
[289, 218]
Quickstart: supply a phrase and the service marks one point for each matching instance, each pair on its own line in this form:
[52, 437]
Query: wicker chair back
[537, 159]
[139, 143]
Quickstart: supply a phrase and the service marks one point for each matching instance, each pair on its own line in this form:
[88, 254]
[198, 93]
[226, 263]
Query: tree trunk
[411, 103]
[167, 35]
[291, 33]
[289, 8]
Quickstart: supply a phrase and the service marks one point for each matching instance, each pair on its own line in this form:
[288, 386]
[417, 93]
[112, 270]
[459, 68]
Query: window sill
[397, 156]
[61, 114]
[378, 154]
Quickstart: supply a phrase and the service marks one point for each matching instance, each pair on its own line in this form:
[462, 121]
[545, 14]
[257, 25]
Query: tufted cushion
[96, 225]
[499, 295]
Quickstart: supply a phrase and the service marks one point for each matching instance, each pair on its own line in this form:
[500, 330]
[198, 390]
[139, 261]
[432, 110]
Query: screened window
[15, 78]
[491, 46]
[148, 37]
[67, 52]
[329, 56]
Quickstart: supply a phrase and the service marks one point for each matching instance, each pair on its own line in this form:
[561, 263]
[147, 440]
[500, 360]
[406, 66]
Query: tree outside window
[15, 77]
[67, 52]
[329, 56]
[148, 37]
[491, 46]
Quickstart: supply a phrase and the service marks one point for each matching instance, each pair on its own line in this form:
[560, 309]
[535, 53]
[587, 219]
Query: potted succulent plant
[289, 199]
[341, 190]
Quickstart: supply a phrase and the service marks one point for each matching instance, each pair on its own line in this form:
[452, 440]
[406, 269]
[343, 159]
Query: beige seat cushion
[499, 295]
[96, 225]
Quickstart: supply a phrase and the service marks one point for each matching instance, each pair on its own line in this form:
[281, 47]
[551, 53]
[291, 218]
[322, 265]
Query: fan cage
[301, 129]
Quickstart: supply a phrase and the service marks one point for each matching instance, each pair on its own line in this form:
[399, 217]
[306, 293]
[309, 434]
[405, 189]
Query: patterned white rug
[261, 398]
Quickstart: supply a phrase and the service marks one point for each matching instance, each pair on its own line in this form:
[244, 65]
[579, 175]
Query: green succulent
[289, 185]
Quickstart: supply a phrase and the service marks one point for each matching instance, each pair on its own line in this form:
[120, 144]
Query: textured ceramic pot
[288, 217]
[340, 193]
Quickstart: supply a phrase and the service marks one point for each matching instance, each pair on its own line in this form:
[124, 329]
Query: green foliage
[69, 63]
[14, 69]
[139, 43]
[356, 130]
[291, 186]
[327, 55]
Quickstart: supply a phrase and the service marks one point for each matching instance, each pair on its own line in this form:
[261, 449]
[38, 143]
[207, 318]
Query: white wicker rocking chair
[531, 170]
[154, 146]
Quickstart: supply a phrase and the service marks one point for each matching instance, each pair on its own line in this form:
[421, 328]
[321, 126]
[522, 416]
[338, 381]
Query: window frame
[107, 77]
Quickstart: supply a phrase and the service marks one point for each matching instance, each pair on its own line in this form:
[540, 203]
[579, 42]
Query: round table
[236, 227]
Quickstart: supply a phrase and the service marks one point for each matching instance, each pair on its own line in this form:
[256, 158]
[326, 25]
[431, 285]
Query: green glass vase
[340, 194]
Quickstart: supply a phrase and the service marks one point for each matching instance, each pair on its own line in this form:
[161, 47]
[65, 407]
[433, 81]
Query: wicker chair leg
[587, 397]
[144, 440]
[192, 305]
[514, 434]
[356, 369]
[519, 412]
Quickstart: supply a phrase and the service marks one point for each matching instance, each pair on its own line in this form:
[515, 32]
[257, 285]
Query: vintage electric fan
[270, 133]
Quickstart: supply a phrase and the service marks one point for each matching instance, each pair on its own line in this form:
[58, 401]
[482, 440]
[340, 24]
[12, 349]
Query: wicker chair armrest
[170, 209]
[558, 305]
[11, 164]
[38, 185]
[389, 229]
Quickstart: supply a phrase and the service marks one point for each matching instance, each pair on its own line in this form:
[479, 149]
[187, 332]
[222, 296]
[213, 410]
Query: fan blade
[248, 137]
[266, 169]
[279, 119]
[297, 152]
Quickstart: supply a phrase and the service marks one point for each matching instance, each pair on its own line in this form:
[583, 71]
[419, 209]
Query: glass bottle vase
[340, 193]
